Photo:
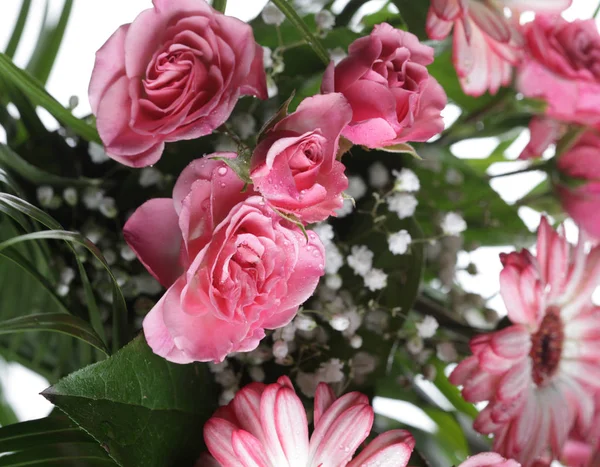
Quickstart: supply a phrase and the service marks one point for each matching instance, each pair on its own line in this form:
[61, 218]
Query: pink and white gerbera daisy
[541, 373]
[486, 44]
[266, 426]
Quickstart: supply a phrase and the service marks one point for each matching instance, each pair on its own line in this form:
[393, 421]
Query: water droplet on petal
[222, 171]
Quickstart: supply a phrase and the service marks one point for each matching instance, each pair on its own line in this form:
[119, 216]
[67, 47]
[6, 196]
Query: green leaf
[15, 37]
[44, 431]
[54, 322]
[12, 204]
[43, 57]
[275, 119]
[451, 392]
[38, 96]
[240, 165]
[288, 10]
[449, 436]
[490, 220]
[63, 454]
[219, 5]
[414, 15]
[145, 410]
[401, 148]
[120, 308]
[30, 268]
[13, 161]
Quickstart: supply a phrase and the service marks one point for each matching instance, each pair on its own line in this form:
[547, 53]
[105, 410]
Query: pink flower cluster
[234, 258]
[540, 375]
[487, 43]
[266, 426]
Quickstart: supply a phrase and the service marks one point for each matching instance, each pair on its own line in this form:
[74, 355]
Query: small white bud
[453, 224]
[339, 322]
[333, 281]
[70, 196]
[45, 194]
[427, 327]
[304, 323]
[272, 15]
[108, 207]
[406, 180]
[280, 349]
[403, 204]
[375, 279]
[149, 176]
[356, 341]
[97, 153]
[325, 20]
[398, 242]
[378, 175]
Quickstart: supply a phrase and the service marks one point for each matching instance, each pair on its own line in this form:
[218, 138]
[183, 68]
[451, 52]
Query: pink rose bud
[232, 265]
[295, 166]
[386, 82]
[580, 196]
[175, 73]
[562, 67]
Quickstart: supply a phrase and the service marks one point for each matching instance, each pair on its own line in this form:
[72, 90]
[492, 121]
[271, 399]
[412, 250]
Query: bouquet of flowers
[257, 250]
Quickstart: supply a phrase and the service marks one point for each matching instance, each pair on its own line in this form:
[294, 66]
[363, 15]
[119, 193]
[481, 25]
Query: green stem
[531, 168]
[596, 11]
[220, 5]
[288, 10]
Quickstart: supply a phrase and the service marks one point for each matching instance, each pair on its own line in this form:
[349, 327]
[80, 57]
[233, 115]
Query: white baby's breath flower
[331, 371]
[70, 196]
[149, 176]
[406, 180]
[375, 279]
[356, 341]
[398, 242]
[305, 323]
[272, 15]
[324, 232]
[333, 281]
[339, 322]
[453, 224]
[379, 175]
[360, 260]
[333, 259]
[325, 20]
[97, 153]
[356, 187]
[244, 124]
[346, 208]
[337, 55]
[414, 345]
[45, 194]
[267, 58]
[280, 349]
[427, 327]
[446, 352]
[403, 204]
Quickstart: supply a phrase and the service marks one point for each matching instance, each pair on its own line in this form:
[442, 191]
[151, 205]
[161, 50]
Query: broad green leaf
[145, 410]
[449, 436]
[43, 431]
[288, 10]
[63, 454]
[15, 37]
[13, 161]
[38, 96]
[43, 57]
[54, 322]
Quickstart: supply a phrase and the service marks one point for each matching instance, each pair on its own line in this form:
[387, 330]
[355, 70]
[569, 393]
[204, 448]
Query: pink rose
[233, 267]
[175, 73]
[295, 166]
[562, 67]
[386, 82]
[582, 163]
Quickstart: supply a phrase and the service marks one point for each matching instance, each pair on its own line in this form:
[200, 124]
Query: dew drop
[222, 171]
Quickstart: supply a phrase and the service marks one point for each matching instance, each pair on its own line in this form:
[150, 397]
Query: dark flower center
[546, 347]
